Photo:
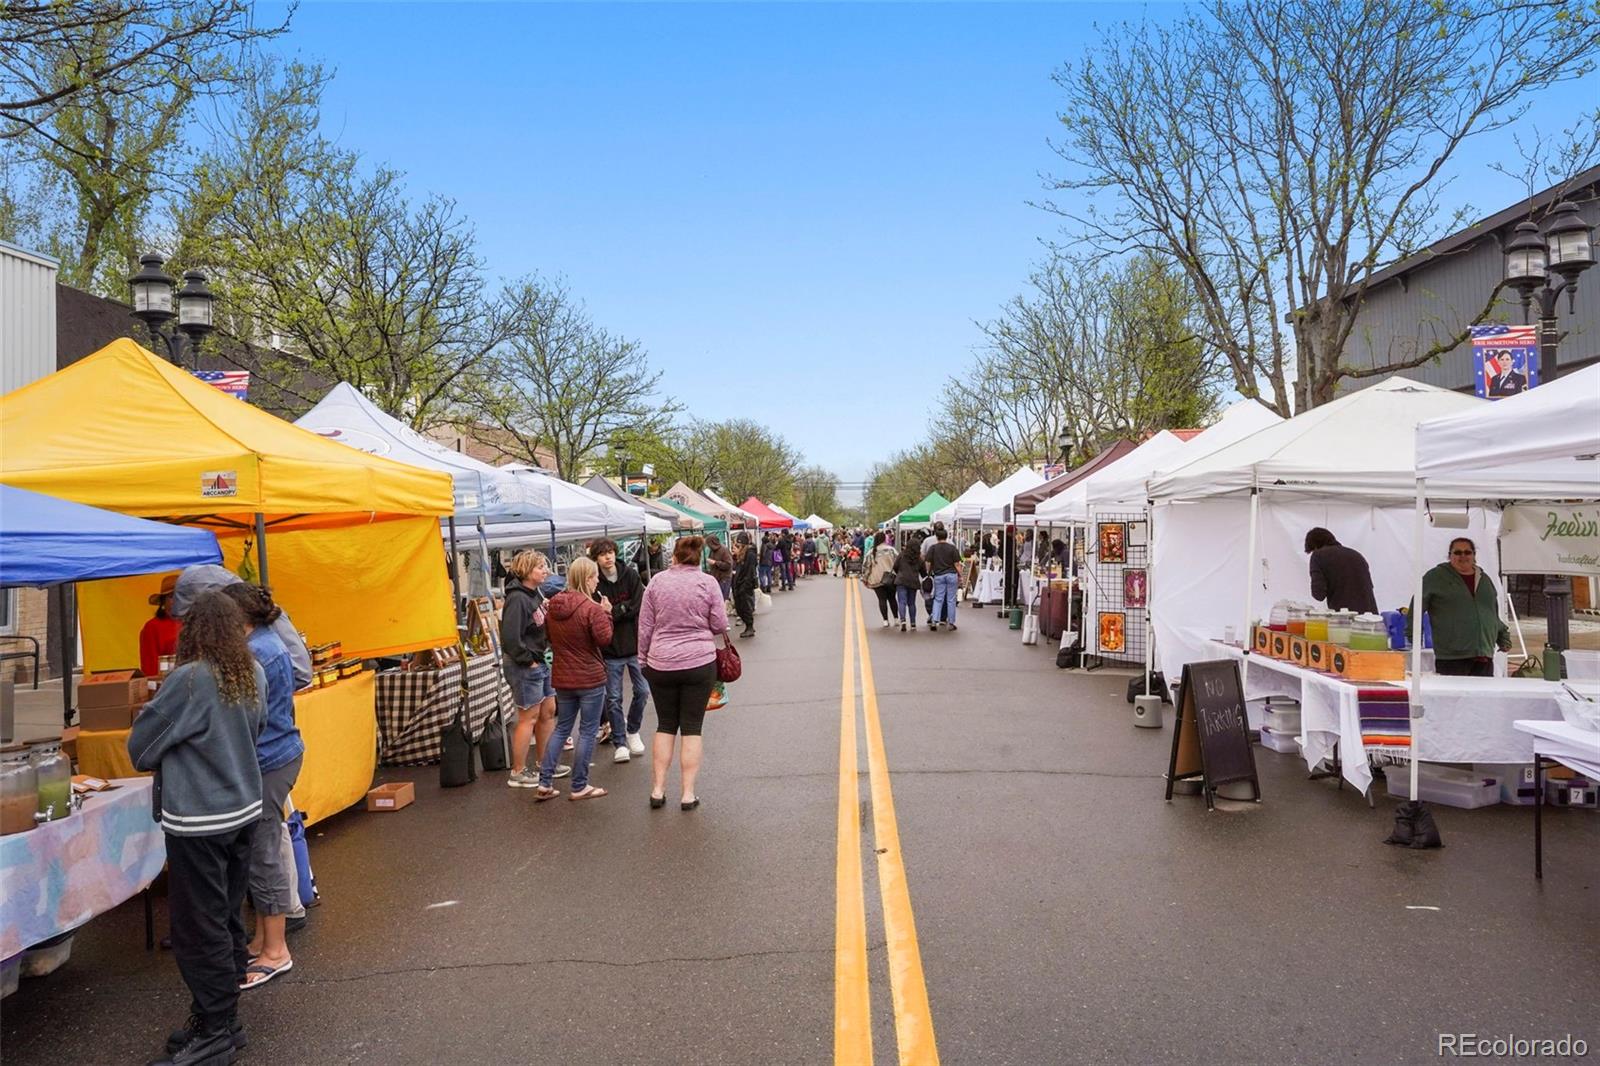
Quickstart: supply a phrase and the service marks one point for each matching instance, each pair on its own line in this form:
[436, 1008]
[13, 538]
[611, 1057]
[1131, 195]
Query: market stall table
[1564, 743]
[337, 723]
[414, 706]
[991, 586]
[65, 872]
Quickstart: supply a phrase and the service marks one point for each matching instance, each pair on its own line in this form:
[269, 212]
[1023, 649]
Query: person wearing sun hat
[160, 635]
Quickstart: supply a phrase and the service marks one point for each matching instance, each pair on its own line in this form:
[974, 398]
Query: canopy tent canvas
[684, 496]
[605, 487]
[735, 515]
[704, 522]
[1342, 466]
[165, 444]
[578, 514]
[921, 512]
[799, 523]
[997, 512]
[481, 490]
[1025, 503]
[46, 541]
[1071, 507]
[1127, 483]
[765, 516]
[968, 505]
[816, 521]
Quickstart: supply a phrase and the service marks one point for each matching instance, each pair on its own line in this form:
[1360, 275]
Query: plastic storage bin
[1282, 717]
[1514, 780]
[1445, 785]
[1279, 742]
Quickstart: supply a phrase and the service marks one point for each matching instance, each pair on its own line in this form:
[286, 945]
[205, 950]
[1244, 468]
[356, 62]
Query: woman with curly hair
[279, 751]
[199, 736]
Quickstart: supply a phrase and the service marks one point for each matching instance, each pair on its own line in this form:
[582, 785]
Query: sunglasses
[1463, 553]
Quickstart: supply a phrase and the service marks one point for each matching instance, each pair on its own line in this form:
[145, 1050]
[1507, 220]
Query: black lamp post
[1563, 249]
[153, 299]
[1064, 448]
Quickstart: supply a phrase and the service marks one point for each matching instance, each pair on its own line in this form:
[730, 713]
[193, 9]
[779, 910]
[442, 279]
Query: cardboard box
[115, 688]
[1260, 639]
[391, 796]
[1319, 654]
[1278, 644]
[1369, 665]
[1297, 650]
[100, 719]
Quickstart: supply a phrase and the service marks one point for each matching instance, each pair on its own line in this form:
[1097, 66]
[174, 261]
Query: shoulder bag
[729, 665]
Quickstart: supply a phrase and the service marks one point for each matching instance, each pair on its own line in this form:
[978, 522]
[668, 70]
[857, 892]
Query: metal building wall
[1440, 297]
[27, 317]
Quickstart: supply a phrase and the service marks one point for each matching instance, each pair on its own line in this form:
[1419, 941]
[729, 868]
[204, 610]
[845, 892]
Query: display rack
[1108, 576]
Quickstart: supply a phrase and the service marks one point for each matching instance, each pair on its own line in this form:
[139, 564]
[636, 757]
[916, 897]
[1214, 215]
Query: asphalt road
[1064, 913]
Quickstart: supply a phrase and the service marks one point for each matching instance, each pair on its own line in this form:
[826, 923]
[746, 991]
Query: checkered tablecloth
[414, 706]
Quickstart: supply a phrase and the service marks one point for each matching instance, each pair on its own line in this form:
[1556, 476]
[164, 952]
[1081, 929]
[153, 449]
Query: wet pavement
[1065, 913]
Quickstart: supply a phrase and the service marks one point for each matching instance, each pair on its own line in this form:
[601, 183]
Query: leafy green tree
[816, 492]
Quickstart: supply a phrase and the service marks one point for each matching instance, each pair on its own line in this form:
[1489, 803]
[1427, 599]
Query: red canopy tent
[769, 518]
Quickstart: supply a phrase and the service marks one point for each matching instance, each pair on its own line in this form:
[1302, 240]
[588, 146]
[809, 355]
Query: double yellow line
[852, 1001]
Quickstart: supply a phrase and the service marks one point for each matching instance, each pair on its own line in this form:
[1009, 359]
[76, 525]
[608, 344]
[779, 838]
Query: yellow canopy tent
[353, 539]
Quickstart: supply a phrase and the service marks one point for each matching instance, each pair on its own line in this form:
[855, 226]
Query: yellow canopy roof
[128, 431]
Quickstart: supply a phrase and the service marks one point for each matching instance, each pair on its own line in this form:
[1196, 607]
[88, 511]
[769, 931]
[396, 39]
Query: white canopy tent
[734, 513]
[1541, 445]
[579, 514]
[1071, 505]
[966, 507]
[997, 510]
[1126, 484]
[816, 521]
[1229, 527]
[799, 523]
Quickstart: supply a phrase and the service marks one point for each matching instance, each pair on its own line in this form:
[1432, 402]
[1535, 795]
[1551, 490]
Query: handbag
[927, 586]
[493, 744]
[456, 762]
[729, 665]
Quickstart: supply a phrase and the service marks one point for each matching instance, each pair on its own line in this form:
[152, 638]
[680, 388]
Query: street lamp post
[153, 299]
[1562, 248]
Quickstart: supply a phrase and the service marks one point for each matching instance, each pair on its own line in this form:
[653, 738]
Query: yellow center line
[852, 1003]
[913, 1017]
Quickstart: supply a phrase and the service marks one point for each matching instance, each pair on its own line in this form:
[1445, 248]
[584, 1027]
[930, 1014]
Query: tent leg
[69, 649]
[455, 578]
[1250, 566]
[1416, 629]
[261, 548]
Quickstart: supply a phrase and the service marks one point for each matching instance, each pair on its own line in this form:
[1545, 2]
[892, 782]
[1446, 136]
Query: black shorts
[681, 696]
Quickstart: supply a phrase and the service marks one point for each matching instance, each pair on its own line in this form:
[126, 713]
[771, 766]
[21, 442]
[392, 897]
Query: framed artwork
[1135, 585]
[1138, 534]
[1113, 542]
[1113, 631]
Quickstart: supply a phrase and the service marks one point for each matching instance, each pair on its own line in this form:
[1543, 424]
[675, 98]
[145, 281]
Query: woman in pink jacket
[679, 622]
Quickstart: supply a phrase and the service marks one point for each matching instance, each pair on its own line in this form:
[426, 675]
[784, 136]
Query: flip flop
[543, 793]
[267, 973]
[588, 792]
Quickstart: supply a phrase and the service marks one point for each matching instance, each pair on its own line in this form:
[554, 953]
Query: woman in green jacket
[1464, 611]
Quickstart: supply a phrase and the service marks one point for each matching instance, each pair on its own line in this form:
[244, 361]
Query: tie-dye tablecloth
[58, 876]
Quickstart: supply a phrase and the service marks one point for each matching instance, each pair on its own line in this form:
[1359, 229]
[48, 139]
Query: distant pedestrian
[678, 629]
[580, 626]
[744, 582]
[943, 563]
[786, 559]
[878, 575]
[624, 588]
[764, 562]
[199, 734]
[721, 566]
[909, 570]
[1339, 575]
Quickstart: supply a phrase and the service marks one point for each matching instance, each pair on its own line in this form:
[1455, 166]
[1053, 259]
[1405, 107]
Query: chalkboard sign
[1210, 737]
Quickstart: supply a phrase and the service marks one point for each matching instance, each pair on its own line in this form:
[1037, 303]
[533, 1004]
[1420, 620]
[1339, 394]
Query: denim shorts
[530, 685]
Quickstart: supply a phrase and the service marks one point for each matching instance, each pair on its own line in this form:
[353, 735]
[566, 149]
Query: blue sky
[798, 209]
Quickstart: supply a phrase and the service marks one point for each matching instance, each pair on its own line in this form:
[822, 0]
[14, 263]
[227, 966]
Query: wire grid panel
[1117, 629]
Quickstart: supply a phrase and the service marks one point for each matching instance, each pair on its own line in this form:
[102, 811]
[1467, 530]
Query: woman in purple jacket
[679, 622]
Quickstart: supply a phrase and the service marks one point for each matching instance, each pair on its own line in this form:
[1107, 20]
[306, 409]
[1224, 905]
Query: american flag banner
[235, 383]
[1505, 360]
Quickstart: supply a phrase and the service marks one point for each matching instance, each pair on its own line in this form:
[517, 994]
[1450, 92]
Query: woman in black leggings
[878, 573]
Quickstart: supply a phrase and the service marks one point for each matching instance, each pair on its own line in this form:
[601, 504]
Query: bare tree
[1281, 151]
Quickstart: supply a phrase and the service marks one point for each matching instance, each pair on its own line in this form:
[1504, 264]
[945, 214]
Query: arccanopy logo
[1475, 1045]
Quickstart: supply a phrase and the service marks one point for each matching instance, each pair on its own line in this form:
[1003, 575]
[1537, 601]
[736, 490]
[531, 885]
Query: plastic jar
[54, 770]
[1339, 623]
[1278, 619]
[1368, 633]
[1297, 620]
[19, 790]
[1317, 624]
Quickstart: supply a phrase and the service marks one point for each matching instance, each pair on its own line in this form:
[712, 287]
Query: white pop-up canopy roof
[816, 521]
[1360, 446]
[1542, 444]
[799, 523]
[579, 514]
[1071, 505]
[1126, 484]
[346, 416]
[733, 512]
[997, 510]
[967, 507]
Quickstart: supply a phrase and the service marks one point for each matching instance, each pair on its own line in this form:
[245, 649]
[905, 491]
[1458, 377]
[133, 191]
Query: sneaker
[202, 1046]
[524, 778]
[636, 743]
[902, 627]
[561, 771]
[951, 626]
[886, 623]
[933, 627]
[749, 631]
[571, 743]
[179, 1037]
[621, 754]
[913, 627]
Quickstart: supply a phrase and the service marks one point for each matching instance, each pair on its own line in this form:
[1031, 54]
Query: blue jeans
[788, 573]
[908, 603]
[764, 576]
[641, 694]
[945, 587]
[580, 706]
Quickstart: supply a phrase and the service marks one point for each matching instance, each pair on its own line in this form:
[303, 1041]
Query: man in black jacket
[621, 585]
[744, 583]
[1339, 575]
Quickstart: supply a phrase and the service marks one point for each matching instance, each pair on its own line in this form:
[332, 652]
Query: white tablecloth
[991, 586]
[1565, 743]
[1465, 719]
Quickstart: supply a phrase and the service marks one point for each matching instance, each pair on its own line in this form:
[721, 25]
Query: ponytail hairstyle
[213, 633]
[255, 602]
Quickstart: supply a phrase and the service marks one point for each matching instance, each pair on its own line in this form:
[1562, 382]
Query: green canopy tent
[712, 525]
[921, 513]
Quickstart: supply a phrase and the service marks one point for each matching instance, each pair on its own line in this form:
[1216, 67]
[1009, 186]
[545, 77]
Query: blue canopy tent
[46, 541]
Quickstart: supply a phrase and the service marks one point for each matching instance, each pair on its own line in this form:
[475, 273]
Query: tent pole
[1416, 629]
[69, 648]
[261, 548]
[1250, 564]
[455, 578]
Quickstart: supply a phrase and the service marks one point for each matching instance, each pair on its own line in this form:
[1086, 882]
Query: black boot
[204, 1047]
[179, 1037]
[749, 631]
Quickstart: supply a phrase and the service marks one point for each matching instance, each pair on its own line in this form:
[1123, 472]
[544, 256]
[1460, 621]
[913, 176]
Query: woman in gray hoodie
[199, 736]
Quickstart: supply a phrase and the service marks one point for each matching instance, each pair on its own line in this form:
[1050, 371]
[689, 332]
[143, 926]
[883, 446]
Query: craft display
[1113, 542]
